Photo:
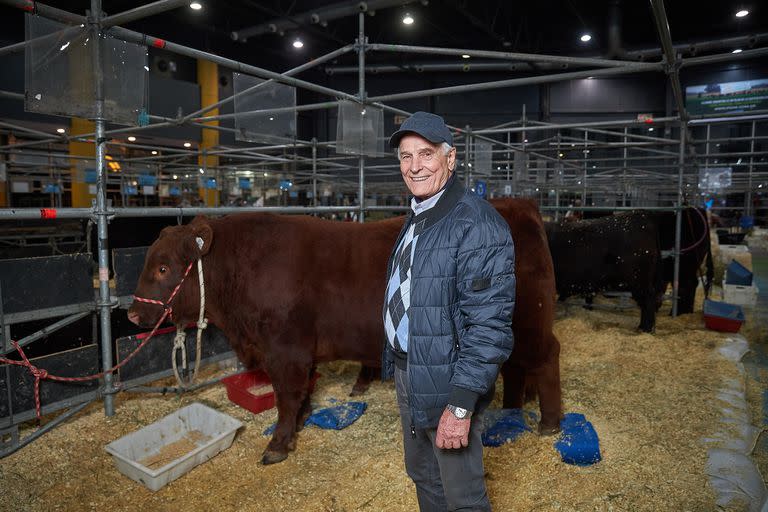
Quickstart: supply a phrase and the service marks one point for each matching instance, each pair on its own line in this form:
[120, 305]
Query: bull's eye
[163, 269]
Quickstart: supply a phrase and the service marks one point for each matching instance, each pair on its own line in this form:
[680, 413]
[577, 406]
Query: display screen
[718, 98]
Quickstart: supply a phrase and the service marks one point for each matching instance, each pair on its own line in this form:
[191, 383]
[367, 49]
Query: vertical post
[624, 171]
[584, 179]
[314, 171]
[467, 144]
[748, 198]
[361, 42]
[105, 303]
[678, 216]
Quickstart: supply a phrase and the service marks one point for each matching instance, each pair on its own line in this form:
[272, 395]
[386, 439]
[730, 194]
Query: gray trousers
[445, 479]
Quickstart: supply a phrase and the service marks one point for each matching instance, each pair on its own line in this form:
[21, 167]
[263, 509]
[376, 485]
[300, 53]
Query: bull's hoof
[548, 430]
[273, 457]
[358, 390]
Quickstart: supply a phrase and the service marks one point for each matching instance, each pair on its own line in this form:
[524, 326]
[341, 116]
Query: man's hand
[452, 432]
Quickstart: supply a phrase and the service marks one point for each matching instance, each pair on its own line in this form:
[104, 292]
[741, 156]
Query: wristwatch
[459, 412]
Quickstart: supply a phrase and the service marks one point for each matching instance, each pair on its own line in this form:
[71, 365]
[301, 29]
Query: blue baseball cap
[430, 126]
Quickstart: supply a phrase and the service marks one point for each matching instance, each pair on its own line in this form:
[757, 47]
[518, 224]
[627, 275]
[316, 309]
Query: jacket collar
[454, 190]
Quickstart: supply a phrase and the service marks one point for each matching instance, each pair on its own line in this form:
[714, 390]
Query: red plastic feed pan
[238, 387]
[717, 323]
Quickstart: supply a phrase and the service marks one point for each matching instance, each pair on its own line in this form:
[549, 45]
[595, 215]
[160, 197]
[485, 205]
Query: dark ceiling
[537, 26]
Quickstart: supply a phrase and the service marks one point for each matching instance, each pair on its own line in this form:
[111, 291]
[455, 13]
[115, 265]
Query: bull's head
[167, 260]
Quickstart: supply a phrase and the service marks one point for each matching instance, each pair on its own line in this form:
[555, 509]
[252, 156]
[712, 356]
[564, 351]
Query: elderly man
[448, 318]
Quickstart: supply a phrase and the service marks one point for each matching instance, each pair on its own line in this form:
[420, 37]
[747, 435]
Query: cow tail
[710, 269]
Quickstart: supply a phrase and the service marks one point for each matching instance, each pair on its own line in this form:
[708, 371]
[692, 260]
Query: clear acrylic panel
[483, 158]
[59, 77]
[713, 179]
[253, 94]
[359, 125]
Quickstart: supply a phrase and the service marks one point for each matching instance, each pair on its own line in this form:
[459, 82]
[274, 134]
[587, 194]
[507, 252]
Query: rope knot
[38, 373]
[202, 324]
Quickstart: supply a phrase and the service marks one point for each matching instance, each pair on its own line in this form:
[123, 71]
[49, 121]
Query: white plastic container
[741, 295]
[173, 445]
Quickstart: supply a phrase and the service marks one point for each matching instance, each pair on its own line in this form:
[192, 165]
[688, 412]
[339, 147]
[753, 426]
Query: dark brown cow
[288, 292]
[291, 292]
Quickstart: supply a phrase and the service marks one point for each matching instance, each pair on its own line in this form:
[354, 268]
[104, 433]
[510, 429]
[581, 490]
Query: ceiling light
[525, 140]
[195, 6]
[271, 118]
[465, 56]
[60, 130]
[187, 144]
[742, 13]
[737, 50]
[585, 38]
[202, 171]
[175, 177]
[131, 139]
[298, 44]
[408, 19]
[154, 152]
[650, 129]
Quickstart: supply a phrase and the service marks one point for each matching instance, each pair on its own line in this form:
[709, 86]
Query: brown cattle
[535, 358]
[288, 292]
[291, 292]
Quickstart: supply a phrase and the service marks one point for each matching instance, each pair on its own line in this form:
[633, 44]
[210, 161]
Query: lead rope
[179, 342]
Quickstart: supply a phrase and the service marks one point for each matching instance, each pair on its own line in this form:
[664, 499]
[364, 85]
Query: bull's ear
[203, 237]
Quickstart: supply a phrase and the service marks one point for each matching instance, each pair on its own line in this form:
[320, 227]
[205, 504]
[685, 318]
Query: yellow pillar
[81, 197]
[208, 79]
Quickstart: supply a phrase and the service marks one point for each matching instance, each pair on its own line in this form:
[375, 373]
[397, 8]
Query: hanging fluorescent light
[465, 56]
[195, 6]
[60, 130]
[187, 144]
[408, 19]
[154, 152]
[131, 139]
[742, 13]
[298, 44]
[650, 129]
[737, 50]
[585, 38]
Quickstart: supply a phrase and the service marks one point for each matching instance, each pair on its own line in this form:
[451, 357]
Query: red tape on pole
[47, 213]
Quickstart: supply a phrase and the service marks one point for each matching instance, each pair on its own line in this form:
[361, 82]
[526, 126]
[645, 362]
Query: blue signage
[210, 183]
[147, 180]
[174, 191]
[245, 183]
[480, 188]
[51, 188]
[89, 175]
[130, 190]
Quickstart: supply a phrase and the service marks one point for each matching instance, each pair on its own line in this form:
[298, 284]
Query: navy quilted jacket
[462, 299]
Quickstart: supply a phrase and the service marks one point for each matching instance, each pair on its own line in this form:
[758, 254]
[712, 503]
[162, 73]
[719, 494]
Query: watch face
[460, 412]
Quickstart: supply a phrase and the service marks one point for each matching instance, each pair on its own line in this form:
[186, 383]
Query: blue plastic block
[736, 273]
[718, 309]
[507, 428]
[578, 443]
[335, 418]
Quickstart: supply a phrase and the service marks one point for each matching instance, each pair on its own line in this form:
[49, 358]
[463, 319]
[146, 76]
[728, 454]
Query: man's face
[424, 166]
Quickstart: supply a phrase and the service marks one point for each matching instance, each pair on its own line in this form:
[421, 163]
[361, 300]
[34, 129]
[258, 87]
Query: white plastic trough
[196, 424]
